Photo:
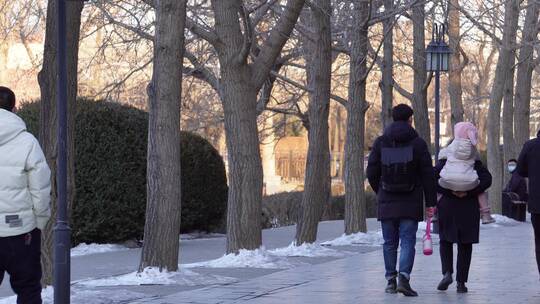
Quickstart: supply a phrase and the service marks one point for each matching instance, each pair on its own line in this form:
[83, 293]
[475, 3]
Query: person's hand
[430, 211]
[459, 194]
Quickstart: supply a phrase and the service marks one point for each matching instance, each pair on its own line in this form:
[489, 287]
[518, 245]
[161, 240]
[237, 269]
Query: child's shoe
[487, 218]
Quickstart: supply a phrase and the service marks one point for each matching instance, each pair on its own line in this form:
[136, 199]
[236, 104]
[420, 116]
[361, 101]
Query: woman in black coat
[459, 222]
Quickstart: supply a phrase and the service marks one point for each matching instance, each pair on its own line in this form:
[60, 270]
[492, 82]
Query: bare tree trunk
[509, 146]
[317, 179]
[454, 77]
[481, 89]
[245, 168]
[355, 200]
[387, 79]
[504, 68]
[240, 83]
[47, 79]
[419, 101]
[162, 227]
[524, 75]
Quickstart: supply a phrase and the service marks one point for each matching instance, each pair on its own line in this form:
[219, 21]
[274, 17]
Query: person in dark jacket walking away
[400, 171]
[515, 195]
[459, 223]
[529, 166]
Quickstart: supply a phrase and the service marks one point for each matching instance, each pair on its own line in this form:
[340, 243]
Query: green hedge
[110, 174]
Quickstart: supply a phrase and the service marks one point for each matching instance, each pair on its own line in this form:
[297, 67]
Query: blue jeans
[393, 231]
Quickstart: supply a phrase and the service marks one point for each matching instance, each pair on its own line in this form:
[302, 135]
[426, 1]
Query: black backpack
[398, 168]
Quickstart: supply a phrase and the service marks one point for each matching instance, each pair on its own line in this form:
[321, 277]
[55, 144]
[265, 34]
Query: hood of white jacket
[462, 149]
[11, 125]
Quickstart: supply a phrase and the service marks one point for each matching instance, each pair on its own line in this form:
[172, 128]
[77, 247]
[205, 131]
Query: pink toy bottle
[428, 243]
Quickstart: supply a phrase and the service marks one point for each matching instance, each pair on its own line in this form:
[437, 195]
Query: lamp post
[437, 60]
[62, 231]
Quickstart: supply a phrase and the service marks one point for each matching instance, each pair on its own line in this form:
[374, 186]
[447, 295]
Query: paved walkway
[503, 271]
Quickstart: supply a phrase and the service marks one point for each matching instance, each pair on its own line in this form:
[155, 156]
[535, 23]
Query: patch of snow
[87, 249]
[371, 238]
[87, 296]
[152, 276]
[306, 250]
[259, 258]
[501, 221]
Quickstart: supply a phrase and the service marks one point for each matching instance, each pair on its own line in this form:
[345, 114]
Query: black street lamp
[62, 231]
[437, 60]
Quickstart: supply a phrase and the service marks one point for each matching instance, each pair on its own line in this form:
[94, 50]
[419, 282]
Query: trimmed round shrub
[204, 185]
[110, 174]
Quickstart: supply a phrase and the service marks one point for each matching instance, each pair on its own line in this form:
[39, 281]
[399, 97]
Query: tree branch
[402, 91]
[248, 34]
[428, 81]
[479, 25]
[209, 35]
[200, 71]
[298, 85]
[272, 46]
[113, 21]
[465, 61]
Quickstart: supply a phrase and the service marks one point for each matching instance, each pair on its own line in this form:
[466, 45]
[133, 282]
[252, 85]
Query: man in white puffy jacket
[24, 203]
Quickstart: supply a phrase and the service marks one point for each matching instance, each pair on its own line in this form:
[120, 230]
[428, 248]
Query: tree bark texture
[502, 72]
[387, 79]
[454, 76]
[162, 227]
[240, 84]
[525, 69]
[47, 79]
[509, 147]
[319, 68]
[355, 200]
[419, 101]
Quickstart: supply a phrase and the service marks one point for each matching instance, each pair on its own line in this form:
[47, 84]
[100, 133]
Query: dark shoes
[404, 287]
[445, 282]
[461, 288]
[391, 287]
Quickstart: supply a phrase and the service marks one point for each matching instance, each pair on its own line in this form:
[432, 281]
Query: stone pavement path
[503, 271]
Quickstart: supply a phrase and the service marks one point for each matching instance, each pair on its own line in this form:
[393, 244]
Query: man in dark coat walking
[529, 166]
[400, 171]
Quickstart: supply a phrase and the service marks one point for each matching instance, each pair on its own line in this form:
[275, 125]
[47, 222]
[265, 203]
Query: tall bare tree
[161, 241]
[355, 207]
[525, 67]
[421, 81]
[387, 78]
[317, 178]
[456, 67]
[419, 100]
[509, 149]
[240, 81]
[47, 79]
[502, 72]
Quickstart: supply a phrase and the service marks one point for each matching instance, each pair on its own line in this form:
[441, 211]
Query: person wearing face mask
[515, 194]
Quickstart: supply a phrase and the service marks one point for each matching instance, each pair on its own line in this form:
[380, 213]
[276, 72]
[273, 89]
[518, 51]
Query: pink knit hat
[466, 130]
